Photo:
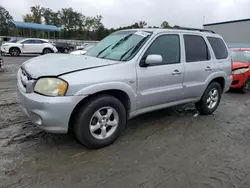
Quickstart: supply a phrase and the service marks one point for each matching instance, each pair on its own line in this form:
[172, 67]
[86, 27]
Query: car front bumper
[238, 81]
[4, 50]
[51, 114]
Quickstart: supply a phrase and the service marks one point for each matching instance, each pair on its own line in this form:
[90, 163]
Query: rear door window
[196, 48]
[219, 47]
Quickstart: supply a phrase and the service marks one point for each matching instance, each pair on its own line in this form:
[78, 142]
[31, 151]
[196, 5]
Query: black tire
[84, 115]
[202, 105]
[14, 51]
[246, 86]
[66, 50]
[47, 51]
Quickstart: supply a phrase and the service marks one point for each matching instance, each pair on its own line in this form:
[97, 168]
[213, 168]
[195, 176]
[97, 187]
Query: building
[237, 31]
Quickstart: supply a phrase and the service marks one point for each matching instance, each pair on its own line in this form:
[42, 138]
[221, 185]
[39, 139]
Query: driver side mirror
[153, 59]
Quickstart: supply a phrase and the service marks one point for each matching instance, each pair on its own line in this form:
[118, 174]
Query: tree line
[73, 24]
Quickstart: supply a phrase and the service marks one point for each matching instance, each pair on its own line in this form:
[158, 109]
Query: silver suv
[128, 73]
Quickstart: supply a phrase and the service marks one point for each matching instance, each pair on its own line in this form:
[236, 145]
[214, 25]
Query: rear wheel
[14, 52]
[47, 51]
[246, 87]
[66, 50]
[210, 99]
[100, 121]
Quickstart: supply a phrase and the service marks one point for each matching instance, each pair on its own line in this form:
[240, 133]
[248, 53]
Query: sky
[116, 13]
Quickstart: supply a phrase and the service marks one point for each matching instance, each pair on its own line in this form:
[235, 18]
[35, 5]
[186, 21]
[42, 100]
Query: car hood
[237, 65]
[58, 64]
[9, 43]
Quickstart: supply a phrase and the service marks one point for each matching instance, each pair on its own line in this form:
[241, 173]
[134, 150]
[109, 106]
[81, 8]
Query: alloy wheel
[104, 123]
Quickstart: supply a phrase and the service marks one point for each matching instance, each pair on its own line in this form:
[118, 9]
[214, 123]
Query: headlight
[240, 71]
[51, 86]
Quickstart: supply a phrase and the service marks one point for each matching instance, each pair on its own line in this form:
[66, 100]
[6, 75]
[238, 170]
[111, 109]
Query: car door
[198, 65]
[38, 46]
[27, 46]
[162, 83]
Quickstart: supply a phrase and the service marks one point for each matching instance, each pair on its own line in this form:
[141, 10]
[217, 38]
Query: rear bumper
[228, 83]
[238, 81]
[55, 49]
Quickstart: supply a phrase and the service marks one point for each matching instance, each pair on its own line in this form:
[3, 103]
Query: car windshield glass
[13, 40]
[114, 46]
[20, 41]
[240, 56]
[88, 47]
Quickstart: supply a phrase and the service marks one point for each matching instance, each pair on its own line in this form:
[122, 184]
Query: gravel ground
[168, 148]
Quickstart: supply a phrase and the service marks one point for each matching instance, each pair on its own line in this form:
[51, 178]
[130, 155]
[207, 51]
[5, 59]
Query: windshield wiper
[122, 40]
[103, 50]
[135, 47]
[117, 44]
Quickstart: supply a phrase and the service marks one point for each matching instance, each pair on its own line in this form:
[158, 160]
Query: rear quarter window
[219, 47]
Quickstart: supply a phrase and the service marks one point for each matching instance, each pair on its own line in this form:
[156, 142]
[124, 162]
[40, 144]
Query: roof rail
[194, 29]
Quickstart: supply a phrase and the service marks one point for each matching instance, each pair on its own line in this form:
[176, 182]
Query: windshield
[240, 56]
[119, 46]
[88, 47]
[20, 41]
[12, 40]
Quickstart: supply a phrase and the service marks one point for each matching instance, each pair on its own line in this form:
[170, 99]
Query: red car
[240, 69]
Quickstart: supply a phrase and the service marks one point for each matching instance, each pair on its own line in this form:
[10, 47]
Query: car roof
[35, 39]
[188, 30]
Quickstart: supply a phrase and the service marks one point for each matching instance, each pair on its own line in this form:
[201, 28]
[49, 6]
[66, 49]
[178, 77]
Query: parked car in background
[84, 51]
[241, 69]
[81, 47]
[128, 73]
[28, 46]
[238, 45]
[1, 64]
[64, 47]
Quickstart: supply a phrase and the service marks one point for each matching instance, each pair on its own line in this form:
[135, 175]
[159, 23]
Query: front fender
[89, 90]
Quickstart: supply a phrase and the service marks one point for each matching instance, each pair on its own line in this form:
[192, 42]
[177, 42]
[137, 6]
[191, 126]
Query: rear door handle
[208, 68]
[176, 72]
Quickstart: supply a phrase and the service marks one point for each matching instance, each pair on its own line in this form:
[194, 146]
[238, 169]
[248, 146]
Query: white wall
[236, 32]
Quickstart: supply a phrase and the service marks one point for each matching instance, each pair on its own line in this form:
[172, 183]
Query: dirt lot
[172, 148]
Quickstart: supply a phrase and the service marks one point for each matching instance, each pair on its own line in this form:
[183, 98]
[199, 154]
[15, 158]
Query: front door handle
[176, 72]
[208, 68]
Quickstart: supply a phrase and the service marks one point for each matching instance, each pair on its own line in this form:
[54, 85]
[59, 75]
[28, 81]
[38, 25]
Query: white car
[28, 46]
[82, 52]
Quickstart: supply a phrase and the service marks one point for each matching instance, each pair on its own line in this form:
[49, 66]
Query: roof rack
[194, 29]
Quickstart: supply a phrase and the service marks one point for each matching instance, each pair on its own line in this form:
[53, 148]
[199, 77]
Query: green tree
[35, 16]
[5, 17]
[5, 20]
[165, 24]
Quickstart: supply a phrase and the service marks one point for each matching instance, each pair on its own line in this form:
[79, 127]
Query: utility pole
[203, 22]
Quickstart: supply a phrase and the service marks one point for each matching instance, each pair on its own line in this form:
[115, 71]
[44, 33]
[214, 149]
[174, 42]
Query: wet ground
[172, 148]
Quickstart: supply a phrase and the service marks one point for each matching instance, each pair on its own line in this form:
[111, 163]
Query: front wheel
[14, 52]
[246, 86]
[210, 100]
[100, 121]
